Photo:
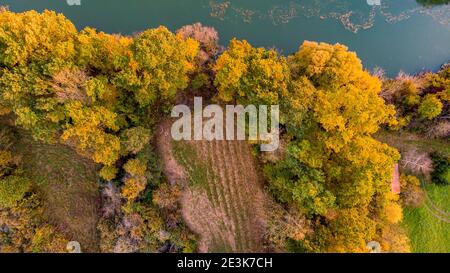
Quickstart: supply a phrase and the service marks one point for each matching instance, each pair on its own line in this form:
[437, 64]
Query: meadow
[429, 225]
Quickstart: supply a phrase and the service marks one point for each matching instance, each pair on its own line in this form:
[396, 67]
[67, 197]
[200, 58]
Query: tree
[34, 47]
[133, 187]
[416, 162]
[346, 101]
[207, 37]
[430, 107]
[89, 89]
[349, 232]
[160, 66]
[394, 239]
[393, 213]
[31, 37]
[108, 173]
[441, 173]
[412, 194]
[334, 169]
[22, 220]
[250, 75]
[133, 140]
[285, 225]
[103, 52]
[86, 132]
[135, 167]
[167, 196]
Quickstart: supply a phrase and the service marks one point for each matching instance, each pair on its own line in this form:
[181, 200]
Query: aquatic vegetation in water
[353, 16]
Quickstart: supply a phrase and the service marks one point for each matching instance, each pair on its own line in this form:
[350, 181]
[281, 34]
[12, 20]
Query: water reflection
[353, 15]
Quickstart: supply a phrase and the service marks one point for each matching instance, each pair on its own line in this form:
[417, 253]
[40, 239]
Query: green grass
[429, 225]
[429, 229]
[186, 155]
[405, 141]
[68, 185]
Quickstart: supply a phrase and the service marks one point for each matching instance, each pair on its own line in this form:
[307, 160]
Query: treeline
[103, 94]
[429, 3]
[333, 170]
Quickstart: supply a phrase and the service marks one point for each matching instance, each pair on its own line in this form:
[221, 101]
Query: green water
[398, 35]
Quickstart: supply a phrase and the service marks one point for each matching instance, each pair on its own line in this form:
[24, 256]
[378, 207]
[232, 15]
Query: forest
[80, 143]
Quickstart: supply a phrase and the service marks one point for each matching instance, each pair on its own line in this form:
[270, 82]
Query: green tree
[430, 107]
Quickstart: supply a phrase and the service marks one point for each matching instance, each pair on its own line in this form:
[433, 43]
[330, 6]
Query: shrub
[430, 107]
[133, 140]
[108, 173]
[135, 167]
[167, 196]
[412, 194]
[48, 240]
[410, 94]
[441, 173]
[133, 187]
[12, 189]
[393, 213]
[206, 36]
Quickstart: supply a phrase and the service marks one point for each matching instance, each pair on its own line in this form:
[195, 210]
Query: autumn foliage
[103, 94]
[334, 170]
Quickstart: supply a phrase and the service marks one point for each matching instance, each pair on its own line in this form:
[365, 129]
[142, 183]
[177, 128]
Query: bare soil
[228, 212]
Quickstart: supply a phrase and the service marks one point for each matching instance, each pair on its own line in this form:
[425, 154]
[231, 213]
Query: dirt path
[226, 211]
[173, 171]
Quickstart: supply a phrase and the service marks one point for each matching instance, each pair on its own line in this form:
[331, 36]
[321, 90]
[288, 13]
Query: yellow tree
[331, 113]
[86, 132]
[251, 75]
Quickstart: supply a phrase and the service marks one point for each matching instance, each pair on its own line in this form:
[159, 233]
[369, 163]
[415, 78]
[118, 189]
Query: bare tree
[440, 130]
[206, 36]
[70, 85]
[111, 201]
[285, 224]
[418, 163]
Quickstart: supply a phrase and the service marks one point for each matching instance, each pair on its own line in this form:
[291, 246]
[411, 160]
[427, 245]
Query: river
[396, 35]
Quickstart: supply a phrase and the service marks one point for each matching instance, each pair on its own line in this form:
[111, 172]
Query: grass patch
[428, 230]
[196, 168]
[68, 184]
[407, 141]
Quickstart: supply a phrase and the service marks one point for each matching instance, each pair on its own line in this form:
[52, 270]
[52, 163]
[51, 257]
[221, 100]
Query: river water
[396, 35]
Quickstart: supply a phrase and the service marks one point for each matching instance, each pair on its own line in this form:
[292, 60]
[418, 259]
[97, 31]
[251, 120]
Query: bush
[133, 140]
[393, 213]
[412, 194]
[410, 94]
[430, 107]
[441, 173]
[167, 196]
[108, 173]
[5, 162]
[135, 167]
[133, 187]
[48, 240]
[13, 189]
